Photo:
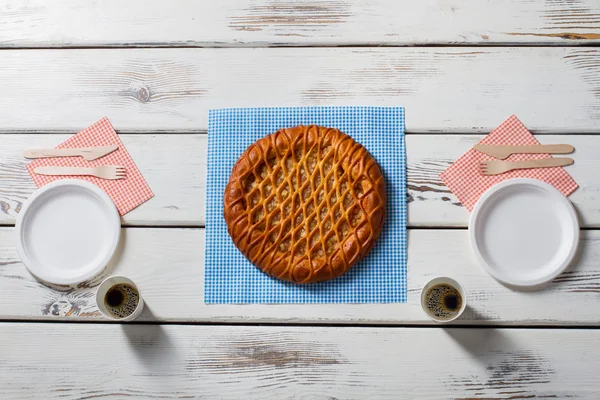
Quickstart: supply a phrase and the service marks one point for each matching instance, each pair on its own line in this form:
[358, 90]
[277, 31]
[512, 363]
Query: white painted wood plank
[167, 264]
[553, 90]
[108, 361]
[38, 23]
[175, 167]
[432, 203]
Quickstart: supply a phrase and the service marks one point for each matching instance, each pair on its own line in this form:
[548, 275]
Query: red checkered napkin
[465, 181]
[127, 193]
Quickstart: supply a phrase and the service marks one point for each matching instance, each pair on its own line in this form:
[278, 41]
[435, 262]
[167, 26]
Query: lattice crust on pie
[305, 204]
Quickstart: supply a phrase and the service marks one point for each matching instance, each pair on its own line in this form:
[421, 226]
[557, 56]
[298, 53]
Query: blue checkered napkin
[379, 278]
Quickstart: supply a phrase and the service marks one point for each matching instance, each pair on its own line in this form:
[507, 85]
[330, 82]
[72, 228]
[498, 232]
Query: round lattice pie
[305, 204]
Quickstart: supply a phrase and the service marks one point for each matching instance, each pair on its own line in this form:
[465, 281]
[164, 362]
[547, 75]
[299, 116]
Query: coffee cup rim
[110, 282]
[440, 280]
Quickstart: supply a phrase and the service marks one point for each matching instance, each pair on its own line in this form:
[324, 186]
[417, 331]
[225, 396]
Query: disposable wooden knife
[88, 153]
[502, 152]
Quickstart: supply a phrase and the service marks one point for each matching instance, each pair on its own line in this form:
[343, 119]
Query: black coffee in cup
[121, 300]
[443, 301]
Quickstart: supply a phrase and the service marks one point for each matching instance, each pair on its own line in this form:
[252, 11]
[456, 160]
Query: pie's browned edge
[272, 240]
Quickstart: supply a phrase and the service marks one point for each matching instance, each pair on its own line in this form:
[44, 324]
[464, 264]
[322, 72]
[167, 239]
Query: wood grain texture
[167, 265]
[158, 100]
[553, 90]
[77, 361]
[175, 167]
[68, 23]
[432, 204]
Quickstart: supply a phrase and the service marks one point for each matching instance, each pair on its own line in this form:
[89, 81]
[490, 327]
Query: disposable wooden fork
[496, 167]
[110, 172]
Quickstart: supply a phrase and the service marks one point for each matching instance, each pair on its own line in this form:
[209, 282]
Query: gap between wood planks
[196, 132]
[304, 325]
[408, 228]
[283, 45]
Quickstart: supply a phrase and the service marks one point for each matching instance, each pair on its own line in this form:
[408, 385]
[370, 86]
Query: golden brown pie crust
[305, 204]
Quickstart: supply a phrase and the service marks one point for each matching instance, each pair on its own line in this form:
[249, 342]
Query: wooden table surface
[154, 68]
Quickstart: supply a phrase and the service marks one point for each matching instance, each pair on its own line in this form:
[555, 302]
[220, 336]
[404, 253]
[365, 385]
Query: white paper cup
[450, 282]
[106, 286]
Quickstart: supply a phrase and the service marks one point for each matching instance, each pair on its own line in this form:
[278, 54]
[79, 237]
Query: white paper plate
[524, 232]
[67, 232]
